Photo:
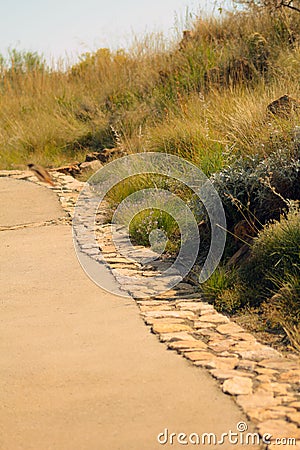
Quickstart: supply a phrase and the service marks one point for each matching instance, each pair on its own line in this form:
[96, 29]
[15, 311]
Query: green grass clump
[144, 222]
[147, 221]
[275, 255]
[221, 290]
[283, 308]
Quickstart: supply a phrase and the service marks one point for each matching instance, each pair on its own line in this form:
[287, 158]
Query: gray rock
[92, 166]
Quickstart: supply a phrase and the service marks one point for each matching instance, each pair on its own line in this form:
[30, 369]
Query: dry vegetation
[205, 98]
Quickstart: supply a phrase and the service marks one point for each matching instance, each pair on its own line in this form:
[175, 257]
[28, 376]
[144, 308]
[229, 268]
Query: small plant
[147, 221]
[220, 289]
[275, 254]
[283, 308]
[229, 301]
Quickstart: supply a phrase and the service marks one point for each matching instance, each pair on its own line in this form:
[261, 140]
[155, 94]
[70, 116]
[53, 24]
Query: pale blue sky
[57, 27]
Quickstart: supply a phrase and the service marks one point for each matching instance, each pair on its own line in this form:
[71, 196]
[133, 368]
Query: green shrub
[221, 290]
[283, 308]
[147, 221]
[229, 301]
[275, 256]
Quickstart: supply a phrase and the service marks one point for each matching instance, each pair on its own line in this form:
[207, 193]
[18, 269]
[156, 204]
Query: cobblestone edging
[264, 383]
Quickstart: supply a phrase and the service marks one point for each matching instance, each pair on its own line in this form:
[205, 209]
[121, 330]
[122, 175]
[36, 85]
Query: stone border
[264, 383]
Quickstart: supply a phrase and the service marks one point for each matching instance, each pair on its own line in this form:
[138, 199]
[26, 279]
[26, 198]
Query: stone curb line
[264, 383]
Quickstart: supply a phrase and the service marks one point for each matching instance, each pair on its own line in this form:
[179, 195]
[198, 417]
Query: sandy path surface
[78, 368]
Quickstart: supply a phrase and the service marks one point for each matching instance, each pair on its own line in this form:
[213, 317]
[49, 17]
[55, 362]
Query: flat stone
[276, 412]
[264, 371]
[259, 353]
[287, 399]
[294, 417]
[109, 249]
[242, 336]
[145, 308]
[282, 408]
[246, 365]
[170, 327]
[263, 378]
[183, 300]
[278, 364]
[262, 399]
[138, 292]
[206, 306]
[227, 354]
[292, 376]
[242, 346]
[295, 405]
[229, 328]
[212, 318]
[169, 294]
[163, 320]
[125, 271]
[192, 306]
[225, 363]
[207, 364]
[221, 346]
[216, 337]
[119, 260]
[203, 325]
[131, 283]
[237, 386]
[187, 345]
[198, 356]
[149, 274]
[277, 388]
[154, 303]
[169, 337]
[158, 285]
[175, 314]
[92, 166]
[279, 429]
[226, 374]
[89, 246]
[131, 269]
[205, 332]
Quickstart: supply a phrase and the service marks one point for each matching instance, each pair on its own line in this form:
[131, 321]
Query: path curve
[79, 370]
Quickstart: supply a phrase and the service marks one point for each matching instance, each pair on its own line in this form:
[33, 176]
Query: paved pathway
[79, 370]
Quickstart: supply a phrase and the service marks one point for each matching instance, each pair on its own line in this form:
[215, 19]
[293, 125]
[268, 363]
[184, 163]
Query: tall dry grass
[204, 99]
